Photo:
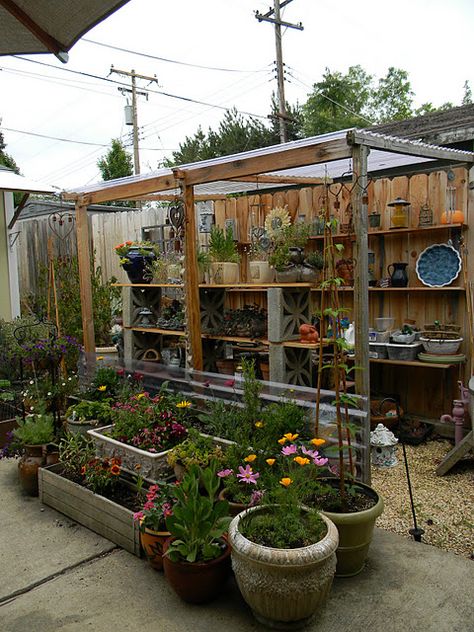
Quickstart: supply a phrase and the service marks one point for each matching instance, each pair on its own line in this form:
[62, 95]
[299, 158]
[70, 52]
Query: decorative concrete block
[288, 309]
[290, 366]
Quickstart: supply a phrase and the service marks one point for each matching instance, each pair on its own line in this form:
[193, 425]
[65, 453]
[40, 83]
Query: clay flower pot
[152, 543]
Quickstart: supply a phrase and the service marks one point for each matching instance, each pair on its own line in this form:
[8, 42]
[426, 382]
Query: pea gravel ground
[444, 505]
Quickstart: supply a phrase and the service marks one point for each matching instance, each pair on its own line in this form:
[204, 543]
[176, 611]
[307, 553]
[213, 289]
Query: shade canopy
[49, 26]
[10, 181]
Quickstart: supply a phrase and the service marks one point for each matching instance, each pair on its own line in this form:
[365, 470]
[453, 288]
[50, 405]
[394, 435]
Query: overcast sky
[431, 39]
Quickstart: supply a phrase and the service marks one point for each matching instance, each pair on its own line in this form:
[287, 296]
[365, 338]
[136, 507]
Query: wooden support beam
[85, 284]
[165, 197]
[268, 179]
[456, 454]
[18, 210]
[361, 288]
[401, 146]
[191, 282]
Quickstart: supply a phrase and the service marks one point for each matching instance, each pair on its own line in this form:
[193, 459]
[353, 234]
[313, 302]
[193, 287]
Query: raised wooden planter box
[112, 521]
[6, 426]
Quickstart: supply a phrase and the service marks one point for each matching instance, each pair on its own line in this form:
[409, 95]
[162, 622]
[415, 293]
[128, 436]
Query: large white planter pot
[225, 273]
[285, 588]
[261, 272]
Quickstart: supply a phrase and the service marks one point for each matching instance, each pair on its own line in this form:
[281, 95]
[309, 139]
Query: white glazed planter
[261, 272]
[225, 273]
[285, 588]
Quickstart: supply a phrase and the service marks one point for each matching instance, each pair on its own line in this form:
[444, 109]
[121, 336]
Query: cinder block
[288, 309]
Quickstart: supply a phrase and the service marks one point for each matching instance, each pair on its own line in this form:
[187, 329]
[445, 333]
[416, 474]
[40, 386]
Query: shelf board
[451, 288]
[395, 231]
[175, 285]
[235, 339]
[156, 330]
[412, 363]
[251, 286]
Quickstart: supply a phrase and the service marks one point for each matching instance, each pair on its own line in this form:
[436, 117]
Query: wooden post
[85, 284]
[361, 289]
[191, 280]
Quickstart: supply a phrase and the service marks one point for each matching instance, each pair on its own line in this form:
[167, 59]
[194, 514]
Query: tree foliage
[5, 159]
[117, 162]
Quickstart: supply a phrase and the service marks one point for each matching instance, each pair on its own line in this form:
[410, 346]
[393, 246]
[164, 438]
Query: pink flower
[311, 453]
[153, 489]
[289, 449]
[256, 497]
[148, 505]
[318, 460]
[151, 496]
[247, 475]
[224, 473]
[138, 516]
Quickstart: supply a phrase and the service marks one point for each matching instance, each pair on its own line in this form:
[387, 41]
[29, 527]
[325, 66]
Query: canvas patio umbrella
[49, 26]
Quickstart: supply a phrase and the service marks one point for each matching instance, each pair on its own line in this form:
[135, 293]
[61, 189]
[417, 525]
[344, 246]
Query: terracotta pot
[28, 465]
[285, 588]
[152, 544]
[355, 533]
[265, 369]
[197, 582]
[234, 507]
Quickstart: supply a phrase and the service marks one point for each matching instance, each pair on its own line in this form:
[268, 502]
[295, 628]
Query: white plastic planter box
[378, 350]
[406, 353]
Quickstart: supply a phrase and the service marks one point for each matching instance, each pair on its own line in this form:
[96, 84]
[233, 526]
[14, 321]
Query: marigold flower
[183, 404]
[291, 437]
[102, 388]
[259, 424]
[301, 460]
[115, 470]
[286, 482]
[317, 442]
[250, 458]
[270, 461]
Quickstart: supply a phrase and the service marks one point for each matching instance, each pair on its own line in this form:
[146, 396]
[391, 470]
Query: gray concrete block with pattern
[288, 309]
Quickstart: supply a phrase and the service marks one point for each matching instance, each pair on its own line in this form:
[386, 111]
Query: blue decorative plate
[438, 265]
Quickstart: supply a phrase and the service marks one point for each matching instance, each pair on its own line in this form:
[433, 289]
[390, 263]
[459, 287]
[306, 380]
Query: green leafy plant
[75, 450]
[101, 474]
[160, 500]
[196, 449]
[315, 260]
[222, 248]
[85, 410]
[203, 261]
[35, 429]
[199, 521]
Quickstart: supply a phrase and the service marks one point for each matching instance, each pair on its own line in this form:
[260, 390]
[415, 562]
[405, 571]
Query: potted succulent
[84, 415]
[197, 556]
[196, 449]
[136, 258]
[160, 500]
[33, 437]
[312, 267]
[283, 553]
[287, 254]
[224, 256]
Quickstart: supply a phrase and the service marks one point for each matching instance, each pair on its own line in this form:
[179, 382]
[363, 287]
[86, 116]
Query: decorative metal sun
[276, 221]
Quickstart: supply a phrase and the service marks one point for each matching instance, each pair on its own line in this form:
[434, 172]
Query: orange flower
[129, 243]
[115, 461]
[317, 442]
[301, 460]
[83, 470]
[115, 470]
[119, 246]
[286, 482]
[291, 437]
[282, 440]
[250, 458]
[270, 461]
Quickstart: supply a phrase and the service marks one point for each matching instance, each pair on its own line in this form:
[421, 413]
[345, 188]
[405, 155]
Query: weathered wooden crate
[112, 521]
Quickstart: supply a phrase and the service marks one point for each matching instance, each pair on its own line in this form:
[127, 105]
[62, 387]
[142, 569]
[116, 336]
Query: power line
[64, 140]
[170, 61]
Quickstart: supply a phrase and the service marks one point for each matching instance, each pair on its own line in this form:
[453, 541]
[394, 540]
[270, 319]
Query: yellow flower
[102, 388]
[259, 424]
[183, 404]
[301, 460]
[140, 395]
[286, 481]
[100, 358]
[282, 440]
[270, 461]
[250, 458]
[291, 437]
[317, 442]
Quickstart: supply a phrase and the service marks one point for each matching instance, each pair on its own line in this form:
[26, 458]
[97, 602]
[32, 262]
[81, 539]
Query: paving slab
[37, 542]
[405, 587]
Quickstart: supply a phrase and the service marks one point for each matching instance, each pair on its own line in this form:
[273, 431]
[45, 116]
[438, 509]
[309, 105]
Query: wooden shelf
[251, 286]
[412, 363]
[156, 330]
[235, 339]
[175, 285]
[396, 231]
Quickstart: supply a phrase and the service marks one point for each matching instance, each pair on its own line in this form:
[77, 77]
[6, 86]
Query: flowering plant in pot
[224, 256]
[283, 553]
[136, 258]
[197, 556]
[84, 415]
[160, 500]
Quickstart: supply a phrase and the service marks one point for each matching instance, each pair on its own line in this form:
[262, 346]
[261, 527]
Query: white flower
[69, 379]
[63, 384]
[32, 381]
[49, 393]
[32, 407]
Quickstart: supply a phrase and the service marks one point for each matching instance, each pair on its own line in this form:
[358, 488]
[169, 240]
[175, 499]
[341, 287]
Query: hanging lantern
[399, 213]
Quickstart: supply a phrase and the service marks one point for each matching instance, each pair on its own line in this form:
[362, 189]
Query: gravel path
[444, 505]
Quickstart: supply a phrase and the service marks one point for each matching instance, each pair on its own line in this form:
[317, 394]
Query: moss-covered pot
[285, 588]
[355, 534]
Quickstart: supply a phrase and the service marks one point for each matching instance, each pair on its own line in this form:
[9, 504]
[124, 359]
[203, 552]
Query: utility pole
[134, 76]
[267, 17]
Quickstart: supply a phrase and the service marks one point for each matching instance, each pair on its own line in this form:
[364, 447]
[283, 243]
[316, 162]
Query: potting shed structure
[364, 170]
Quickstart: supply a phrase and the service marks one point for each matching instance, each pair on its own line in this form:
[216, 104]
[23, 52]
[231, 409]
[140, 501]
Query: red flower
[115, 470]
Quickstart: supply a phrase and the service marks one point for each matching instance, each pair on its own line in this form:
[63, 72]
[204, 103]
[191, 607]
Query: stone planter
[95, 512]
[225, 273]
[308, 274]
[78, 426]
[291, 274]
[285, 588]
[355, 534]
[260, 272]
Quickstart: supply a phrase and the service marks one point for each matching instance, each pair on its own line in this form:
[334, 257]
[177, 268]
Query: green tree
[338, 101]
[5, 159]
[467, 98]
[117, 162]
[392, 99]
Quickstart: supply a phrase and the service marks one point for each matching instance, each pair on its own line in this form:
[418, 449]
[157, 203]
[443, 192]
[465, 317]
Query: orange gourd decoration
[452, 217]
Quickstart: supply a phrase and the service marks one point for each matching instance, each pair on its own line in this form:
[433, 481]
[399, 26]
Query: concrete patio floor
[56, 575]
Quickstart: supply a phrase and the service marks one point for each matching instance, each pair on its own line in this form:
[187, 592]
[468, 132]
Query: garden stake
[415, 531]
